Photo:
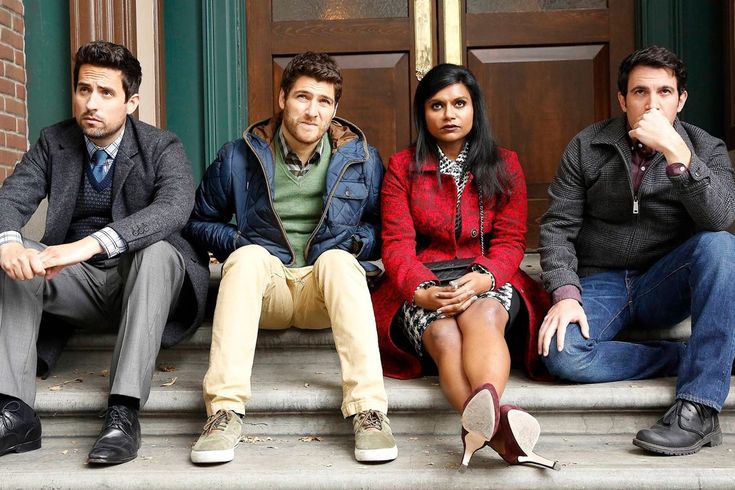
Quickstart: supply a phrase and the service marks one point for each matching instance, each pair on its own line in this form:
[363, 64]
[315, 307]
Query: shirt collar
[289, 154]
[111, 149]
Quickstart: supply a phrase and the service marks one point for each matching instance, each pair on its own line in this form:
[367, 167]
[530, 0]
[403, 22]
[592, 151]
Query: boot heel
[28, 446]
[715, 440]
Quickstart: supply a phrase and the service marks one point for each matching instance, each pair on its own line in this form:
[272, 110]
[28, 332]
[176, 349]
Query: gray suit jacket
[152, 197]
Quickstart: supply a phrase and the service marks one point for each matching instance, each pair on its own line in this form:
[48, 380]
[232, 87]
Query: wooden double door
[548, 67]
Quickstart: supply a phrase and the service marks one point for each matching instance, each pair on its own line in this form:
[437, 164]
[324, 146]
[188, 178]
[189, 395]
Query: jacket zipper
[270, 200]
[326, 206]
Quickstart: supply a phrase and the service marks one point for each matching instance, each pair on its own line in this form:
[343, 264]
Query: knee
[337, 260]
[714, 248]
[160, 253]
[443, 340]
[486, 314]
[574, 362]
[246, 256]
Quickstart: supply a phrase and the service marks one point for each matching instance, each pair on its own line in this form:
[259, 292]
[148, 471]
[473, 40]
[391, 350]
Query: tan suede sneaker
[219, 438]
[374, 440]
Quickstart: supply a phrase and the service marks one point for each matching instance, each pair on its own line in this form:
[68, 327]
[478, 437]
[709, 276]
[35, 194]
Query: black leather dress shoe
[119, 439]
[684, 429]
[20, 428]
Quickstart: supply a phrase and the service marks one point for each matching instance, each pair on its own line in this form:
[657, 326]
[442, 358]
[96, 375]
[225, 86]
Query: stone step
[424, 461]
[299, 390]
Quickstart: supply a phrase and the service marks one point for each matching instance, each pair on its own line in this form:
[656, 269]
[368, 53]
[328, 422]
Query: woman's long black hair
[483, 159]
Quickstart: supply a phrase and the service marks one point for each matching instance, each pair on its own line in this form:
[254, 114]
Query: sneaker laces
[217, 422]
[371, 419]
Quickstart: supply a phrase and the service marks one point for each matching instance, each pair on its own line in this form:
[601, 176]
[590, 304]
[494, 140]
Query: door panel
[535, 115]
[548, 69]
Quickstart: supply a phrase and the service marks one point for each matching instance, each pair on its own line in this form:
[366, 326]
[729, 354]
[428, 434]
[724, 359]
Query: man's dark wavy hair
[655, 57]
[319, 66]
[110, 55]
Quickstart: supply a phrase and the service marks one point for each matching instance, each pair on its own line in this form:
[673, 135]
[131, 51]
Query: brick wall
[13, 109]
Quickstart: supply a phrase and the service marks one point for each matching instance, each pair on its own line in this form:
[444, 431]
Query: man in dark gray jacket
[112, 255]
[635, 237]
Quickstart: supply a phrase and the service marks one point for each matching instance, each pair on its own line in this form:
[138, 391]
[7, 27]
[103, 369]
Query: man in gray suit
[119, 191]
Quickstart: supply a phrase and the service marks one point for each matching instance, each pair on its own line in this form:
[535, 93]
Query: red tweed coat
[417, 210]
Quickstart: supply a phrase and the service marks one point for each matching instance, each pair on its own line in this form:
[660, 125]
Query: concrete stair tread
[297, 380]
[423, 462]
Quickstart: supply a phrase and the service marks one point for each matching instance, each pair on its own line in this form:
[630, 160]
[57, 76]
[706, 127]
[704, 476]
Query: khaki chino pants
[258, 291]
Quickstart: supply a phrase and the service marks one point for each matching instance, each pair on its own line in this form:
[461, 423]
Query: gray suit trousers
[136, 297]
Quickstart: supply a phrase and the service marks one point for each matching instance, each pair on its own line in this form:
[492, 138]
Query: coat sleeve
[404, 269]
[507, 242]
[368, 232]
[708, 190]
[172, 199]
[561, 223]
[209, 226]
[26, 187]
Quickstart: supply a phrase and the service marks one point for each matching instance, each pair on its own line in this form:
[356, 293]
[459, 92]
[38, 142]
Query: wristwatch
[675, 169]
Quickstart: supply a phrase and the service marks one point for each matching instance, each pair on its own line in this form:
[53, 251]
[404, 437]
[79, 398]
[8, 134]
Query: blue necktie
[98, 165]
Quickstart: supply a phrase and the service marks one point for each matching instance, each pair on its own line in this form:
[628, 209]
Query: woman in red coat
[436, 195]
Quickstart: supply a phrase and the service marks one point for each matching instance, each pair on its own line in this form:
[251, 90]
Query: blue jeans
[698, 279]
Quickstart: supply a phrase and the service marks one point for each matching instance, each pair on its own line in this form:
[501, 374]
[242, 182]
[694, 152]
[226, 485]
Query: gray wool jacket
[591, 225]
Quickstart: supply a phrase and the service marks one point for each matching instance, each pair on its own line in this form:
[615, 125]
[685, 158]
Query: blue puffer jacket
[241, 181]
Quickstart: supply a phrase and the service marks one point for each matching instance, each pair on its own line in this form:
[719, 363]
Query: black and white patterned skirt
[416, 319]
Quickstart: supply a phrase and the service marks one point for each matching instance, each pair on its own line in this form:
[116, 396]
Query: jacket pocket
[351, 190]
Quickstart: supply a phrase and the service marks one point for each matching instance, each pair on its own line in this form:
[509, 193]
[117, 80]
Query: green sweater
[298, 200]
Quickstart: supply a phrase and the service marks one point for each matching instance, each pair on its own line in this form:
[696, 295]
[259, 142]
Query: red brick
[9, 36]
[8, 157]
[14, 106]
[7, 53]
[5, 17]
[16, 142]
[7, 86]
[20, 91]
[14, 6]
[14, 72]
[18, 24]
[2, 139]
[7, 123]
[20, 59]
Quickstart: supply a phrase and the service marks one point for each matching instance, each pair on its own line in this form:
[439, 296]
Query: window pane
[285, 10]
[486, 6]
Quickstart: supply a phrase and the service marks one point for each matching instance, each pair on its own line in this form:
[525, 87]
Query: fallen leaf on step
[309, 439]
[306, 385]
[64, 451]
[170, 382]
[166, 368]
[105, 373]
[59, 386]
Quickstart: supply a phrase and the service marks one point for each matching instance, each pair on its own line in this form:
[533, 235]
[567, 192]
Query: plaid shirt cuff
[10, 237]
[111, 241]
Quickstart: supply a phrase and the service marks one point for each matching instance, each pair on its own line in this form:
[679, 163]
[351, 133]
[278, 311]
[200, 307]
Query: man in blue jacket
[304, 189]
